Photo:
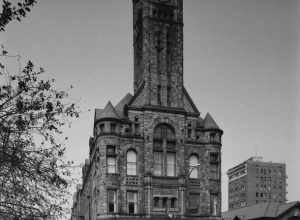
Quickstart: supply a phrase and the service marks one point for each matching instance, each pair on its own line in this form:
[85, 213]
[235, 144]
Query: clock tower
[158, 52]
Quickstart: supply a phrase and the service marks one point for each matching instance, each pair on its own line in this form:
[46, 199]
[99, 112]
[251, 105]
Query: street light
[192, 168]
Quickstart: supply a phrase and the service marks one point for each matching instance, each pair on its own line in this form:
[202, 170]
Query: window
[214, 157]
[158, 95]
[165, 202]
[193, 166]
[173, 202]
[131, 163]
[112, 127]
[156, 202]
[112, 201]
[194, 199]
[111, 150]
[132, 203]
[164, 151]
[171, 164]
[214, 203]
[111, 165]
[101, 126]
[189, 133]
[111, 159]
[168, 93]
[164, 131]
[158, 163]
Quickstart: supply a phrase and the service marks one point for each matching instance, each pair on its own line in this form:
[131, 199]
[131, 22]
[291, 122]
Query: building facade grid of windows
[255, 181]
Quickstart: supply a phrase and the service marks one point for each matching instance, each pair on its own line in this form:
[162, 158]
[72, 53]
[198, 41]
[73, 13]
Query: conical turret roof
[209, 122]
[124, 101]
[108, 112]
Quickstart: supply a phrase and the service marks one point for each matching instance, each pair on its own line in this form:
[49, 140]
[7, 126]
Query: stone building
[256, 181]
[152, 155]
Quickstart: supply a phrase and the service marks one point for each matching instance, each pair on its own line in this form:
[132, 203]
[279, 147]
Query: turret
[212, 131]
[107, 121]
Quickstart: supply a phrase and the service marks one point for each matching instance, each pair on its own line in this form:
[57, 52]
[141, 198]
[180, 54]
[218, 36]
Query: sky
[241, 64]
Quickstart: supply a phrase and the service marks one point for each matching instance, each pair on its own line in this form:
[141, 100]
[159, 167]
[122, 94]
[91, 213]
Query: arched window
[194, 166]
[164, 131]
[131, 163]
[164, 151]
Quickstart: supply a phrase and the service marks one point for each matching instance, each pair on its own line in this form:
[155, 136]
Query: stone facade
[152, 155]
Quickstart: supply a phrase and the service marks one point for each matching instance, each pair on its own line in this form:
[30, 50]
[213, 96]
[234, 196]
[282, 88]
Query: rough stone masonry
[152, 155]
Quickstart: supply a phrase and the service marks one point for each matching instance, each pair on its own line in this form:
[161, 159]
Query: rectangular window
[194, 199]
[168, 96]
[173, 202]
[113, 127]
[159, 95]
[213, 204]
[156, 202]
[171, 164]
[165, 202]
[101, 128]
[214, 157]
[111, 165]
[189, 133]
[158, 163]
[132, 203]
[112, 201]
[111, 150]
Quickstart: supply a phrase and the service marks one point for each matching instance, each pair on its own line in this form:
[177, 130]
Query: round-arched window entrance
[164, 150]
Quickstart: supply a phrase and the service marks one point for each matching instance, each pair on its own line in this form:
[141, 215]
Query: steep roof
[108, 112]
[260, 210]
[124, 101]
[209, 122]
[200, 122]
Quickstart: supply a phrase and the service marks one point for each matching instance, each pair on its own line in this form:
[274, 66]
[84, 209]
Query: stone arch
[164, 131]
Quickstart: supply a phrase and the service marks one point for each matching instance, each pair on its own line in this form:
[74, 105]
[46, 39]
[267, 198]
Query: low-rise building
[265, 211]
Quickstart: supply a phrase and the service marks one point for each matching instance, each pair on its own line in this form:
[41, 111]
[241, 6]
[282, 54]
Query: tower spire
[158, 51]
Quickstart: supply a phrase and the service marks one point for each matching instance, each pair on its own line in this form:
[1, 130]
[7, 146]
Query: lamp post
[171, 215]
[192, 168]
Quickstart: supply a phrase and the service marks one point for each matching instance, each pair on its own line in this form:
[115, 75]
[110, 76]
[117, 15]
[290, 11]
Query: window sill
[164, 209]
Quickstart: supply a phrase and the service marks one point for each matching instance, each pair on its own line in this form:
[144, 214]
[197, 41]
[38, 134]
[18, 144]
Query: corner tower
[158, 52]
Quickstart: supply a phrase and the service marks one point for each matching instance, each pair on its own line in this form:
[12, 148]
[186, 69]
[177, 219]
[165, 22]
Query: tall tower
[158, 51]
[152, 155]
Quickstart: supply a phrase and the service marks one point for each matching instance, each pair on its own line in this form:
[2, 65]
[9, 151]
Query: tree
[15, 11]
[34, 175]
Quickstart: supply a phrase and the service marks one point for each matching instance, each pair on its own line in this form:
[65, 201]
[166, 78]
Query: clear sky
[241, 60]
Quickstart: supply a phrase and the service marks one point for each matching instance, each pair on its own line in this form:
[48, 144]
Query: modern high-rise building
[255, 181]
[152, 155]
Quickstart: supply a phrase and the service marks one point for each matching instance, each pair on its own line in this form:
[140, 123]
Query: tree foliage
[15, 11]
[34, 175]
